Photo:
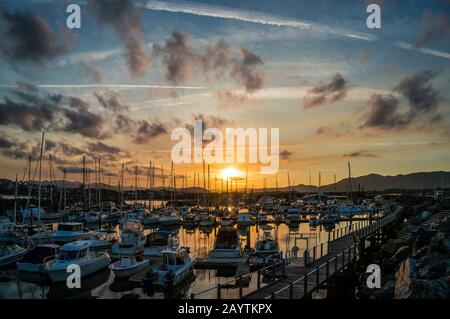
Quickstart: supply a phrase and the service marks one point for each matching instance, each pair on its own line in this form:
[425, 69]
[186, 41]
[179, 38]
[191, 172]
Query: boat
[151, 219]
[227, 248]
[267, 249]
[170, 218]
[293, 215]
[76, 253]
[244, 218]
[190, 219]
[10, 254]
[68, 232]
[33, 262]
[264, 218]
[206, 219]
[313, 222]
[128, 265]
[157, 242]
[177, 265]
[39, 213]
[132, 240]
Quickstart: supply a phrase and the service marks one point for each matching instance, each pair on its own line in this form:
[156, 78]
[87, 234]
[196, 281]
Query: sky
[117, 87]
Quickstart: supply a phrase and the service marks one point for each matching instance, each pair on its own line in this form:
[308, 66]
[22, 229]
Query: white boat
[227, 248]
[68, 232]
[10, 254]
[177, 265]
[78, 253]
[157, 242]
[132, 240]
[128, 266]
[34, 260]
[151, 219]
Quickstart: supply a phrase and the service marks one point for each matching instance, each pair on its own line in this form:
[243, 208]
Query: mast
[40, 177]
[15, 201]
[320, 182]
[349, 181]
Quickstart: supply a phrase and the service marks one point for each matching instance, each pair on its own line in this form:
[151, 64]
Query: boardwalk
[299, 281]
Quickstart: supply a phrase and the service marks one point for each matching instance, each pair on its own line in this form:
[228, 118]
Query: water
[200, 241]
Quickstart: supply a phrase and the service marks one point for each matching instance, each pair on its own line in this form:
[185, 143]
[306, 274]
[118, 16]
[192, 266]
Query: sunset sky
[117, 87]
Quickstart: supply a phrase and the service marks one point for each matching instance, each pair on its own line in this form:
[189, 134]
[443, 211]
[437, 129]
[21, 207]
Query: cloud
[434, 28]
[92, 73]
[147, 131]
[182, 62]
[124, 17]
[229, 99]
[110, 101]
[28, 37]
[383, 112]
[99, 147]
[36, 110]
[330, 92]
[361, 153]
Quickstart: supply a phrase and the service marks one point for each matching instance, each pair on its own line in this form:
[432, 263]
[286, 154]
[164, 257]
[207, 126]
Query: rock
[404, 279]
[401, 254]
[425, 215]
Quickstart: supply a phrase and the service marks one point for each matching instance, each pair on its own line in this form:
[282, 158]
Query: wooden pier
[300, 282]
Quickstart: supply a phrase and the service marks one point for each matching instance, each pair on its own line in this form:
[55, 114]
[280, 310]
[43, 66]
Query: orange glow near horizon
[230, 172]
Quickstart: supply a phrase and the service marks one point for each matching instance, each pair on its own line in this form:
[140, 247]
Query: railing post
[336, 264]
[328, 268]
[273, 270]
[291, 291]
[317, 277]
[284, 268]
[258, 284]
[219, 293]
[273, 295]
[321, 249]
[192, 296]
[305, 257]
[343, 259]
[240, 287]
[305, 287]
[314, 253]
[349, 254]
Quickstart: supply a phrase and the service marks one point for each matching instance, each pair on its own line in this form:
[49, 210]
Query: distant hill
[376, 182]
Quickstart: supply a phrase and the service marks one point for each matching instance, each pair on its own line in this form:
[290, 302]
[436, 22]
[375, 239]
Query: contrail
[249, 16]
[263, 18]
[116, 86]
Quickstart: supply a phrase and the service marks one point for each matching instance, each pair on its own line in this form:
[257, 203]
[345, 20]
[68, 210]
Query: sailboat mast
[40, 176]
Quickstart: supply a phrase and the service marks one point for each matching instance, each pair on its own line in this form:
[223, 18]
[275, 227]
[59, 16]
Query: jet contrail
[263, 18]
[249, 16]
[116, 86]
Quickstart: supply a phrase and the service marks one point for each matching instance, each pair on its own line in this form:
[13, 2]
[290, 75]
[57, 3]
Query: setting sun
[230, 172]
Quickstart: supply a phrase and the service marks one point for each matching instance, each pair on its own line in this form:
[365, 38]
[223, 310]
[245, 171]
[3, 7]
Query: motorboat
[76, 253]
[227, 248]
[190, 219]
[10, 254]
[264, 217]
[157, 242]
[267, 248]
[68, 232]
[293, 215]
[206, 219]
[151, 218]
[177, 265]
[244, 218]
[128, 265]
[314, 222]
[170, 218]
[33, 262]
[132, 240]
[102, 241]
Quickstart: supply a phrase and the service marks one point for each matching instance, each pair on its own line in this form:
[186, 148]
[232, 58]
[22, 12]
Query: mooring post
[192, 296]
[218, 291]
[321, 249]
[328, 268]
[314, 253]
[291, 291]
[317, 277]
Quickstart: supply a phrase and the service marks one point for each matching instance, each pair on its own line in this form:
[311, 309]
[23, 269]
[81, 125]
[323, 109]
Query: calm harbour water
[200, 241]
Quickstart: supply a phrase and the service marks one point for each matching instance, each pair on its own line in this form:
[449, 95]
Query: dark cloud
[229, 100]
[35, 110]
[330, 92]
[99, 147]
[28, 37]
[434, 28]
[147, 131]
[92, 73]
[286, 155]
[63, 148]
[244, 71]
[210, 121]
[419, 92]
[125, 18]
[423, 99]
[361, 153]
[12, 148]
[110, 101]
[181, 62]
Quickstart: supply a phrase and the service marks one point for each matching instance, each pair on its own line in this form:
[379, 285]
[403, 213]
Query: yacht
[264, 217]
[244, 218]
[191, 219]
[128, 265]
[170, 218]
[10, 254]
[151, 218]
[68, 232]
[293, 215]
[206, 219]
[132, 240]
[77, 253]
[177, 265]
[33, 262]
[157, 242]
[227, 248]
[267, 248]
[313, 222]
